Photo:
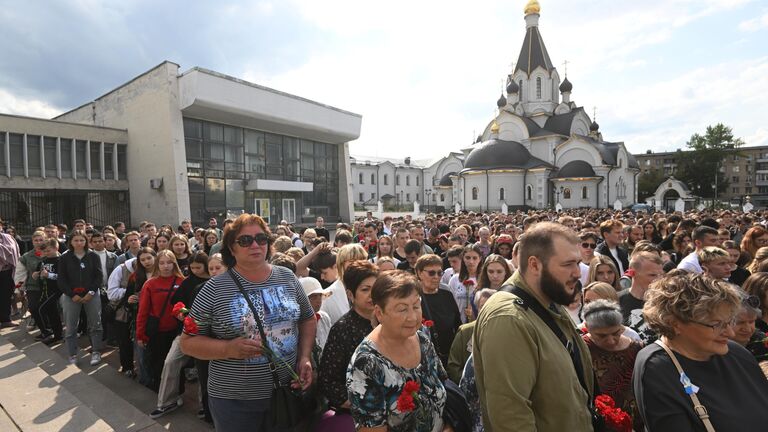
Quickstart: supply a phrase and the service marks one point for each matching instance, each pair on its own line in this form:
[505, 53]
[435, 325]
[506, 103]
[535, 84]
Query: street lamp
[428, 192]
[558, 192]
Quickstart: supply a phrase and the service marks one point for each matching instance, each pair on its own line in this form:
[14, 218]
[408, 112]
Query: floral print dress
[374, 384]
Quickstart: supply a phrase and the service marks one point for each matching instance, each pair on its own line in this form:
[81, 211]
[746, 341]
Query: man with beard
[526, 373]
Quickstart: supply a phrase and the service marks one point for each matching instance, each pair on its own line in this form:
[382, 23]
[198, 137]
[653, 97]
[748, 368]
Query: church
[540, 150]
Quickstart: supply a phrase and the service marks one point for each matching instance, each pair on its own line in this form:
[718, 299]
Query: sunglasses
[433, 273]
[589, 245]
[246, 240]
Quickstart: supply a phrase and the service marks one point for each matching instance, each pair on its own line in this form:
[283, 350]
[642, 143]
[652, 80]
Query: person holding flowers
[395, 379]
[464, 284]
[438, 305]
[221, 327]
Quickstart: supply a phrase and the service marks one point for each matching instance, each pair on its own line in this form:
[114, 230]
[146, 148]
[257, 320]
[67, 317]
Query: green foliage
[699, 168]
[648, 183]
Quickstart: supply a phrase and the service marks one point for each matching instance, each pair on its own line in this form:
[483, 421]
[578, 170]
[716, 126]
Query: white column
[58, 157]
[42, 156]
[26, 155]
[114, 160]
[88, 159]
[101, 158]
[73, 155]
[7, 154]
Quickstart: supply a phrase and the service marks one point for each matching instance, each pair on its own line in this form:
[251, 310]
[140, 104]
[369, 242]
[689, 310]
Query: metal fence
[26, 210]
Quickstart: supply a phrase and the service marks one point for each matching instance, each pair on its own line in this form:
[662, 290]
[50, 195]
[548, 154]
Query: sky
[425, 75]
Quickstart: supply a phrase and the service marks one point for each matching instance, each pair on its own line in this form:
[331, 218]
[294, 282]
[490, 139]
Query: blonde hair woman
[602, 269]
[759, 257]
[337, 304]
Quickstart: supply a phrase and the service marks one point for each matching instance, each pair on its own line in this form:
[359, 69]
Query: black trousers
[49, 315]
[202, 378]
[158, 348]
[34, 299]
[125, 344]
[6, 294]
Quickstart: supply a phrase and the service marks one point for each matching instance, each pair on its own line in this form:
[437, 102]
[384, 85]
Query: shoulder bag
[528, 301]
[152, 328]
[700, 410]
[286, 405]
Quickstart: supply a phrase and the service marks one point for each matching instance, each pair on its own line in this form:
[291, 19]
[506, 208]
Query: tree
[699, 168]
[648, 183]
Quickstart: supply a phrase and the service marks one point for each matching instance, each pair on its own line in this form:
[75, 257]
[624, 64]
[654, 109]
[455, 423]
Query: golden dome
[495, 127]
[532, 7]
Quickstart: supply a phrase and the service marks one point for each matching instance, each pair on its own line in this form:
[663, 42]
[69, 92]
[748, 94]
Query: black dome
[496, 153]
[566, 86]
[576, 169]
[512, 87]
[502, 102]
[446, 179]
[594, 126]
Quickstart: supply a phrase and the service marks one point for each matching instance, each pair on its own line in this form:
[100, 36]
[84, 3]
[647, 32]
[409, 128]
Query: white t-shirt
[690, 263]
[337, 304]
[615, 254]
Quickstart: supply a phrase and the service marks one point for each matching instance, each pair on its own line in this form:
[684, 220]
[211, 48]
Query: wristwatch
[92, 293]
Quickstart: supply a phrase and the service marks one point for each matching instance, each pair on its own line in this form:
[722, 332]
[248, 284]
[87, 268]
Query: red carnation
[38, 253]
[190, 326]
[411, 387]
[468, 283]
[765, 342]
[179, 308]
[427, 323]
[405, 403]
[630, 273]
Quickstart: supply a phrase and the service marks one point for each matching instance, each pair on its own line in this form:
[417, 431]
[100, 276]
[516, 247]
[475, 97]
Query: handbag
[700, 410]
[286, 405]
[527, 301]
[152, 328]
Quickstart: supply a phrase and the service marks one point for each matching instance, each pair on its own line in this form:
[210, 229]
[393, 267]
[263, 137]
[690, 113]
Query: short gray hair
[484, 294]
[601, 314]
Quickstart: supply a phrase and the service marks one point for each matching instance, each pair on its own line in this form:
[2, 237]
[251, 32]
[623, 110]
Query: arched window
[538, 87]
[386, 179]
[417, 180]
[567, 193]
[474, 193]
[619, 162]
[501, 194]
[528, 192]
[397, 180]
[373, 179]
[407, 180]
[584, 192]
[361, 178]
[442, 197]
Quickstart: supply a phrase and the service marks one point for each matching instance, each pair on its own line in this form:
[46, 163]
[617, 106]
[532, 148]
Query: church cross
[565, 67]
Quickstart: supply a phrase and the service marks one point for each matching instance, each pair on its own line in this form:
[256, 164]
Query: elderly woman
[613, 354]
[694, 363]
[757, 285]
[394, 380]
[744, 331]
[438, 305]
[223, 327]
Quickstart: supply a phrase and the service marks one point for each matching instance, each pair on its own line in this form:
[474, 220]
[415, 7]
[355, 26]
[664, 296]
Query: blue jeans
[235, 415]
[72, 316]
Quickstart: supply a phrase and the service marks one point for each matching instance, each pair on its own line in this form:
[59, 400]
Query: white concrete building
[204, 144]
[540, 150]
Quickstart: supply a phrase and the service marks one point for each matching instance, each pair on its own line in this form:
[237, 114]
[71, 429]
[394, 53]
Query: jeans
[71, 317]
[171, 379]
[235, 415]
[145, 378]
[6, 295]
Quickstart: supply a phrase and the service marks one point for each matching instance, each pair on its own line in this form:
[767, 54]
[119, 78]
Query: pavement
[42, 392]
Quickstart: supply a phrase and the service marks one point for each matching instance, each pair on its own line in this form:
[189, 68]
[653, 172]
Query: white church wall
[512, 182]
[511, 128]
[576, 151]
[577, 194]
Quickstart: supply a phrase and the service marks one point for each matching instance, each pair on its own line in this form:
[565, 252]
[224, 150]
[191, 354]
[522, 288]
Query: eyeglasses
[589, 245]
[433, 273]
[246, 240]
[718, 328]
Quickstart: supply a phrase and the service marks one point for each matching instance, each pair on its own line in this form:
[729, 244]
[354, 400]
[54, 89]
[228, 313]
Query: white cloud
[11, 104]
[754, 24]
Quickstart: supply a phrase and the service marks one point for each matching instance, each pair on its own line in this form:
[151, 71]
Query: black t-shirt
[732, 388]
[441, 308]
[628, 303]
[739, 276]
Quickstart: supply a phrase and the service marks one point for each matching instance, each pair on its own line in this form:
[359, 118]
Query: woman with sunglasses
[694, 363]
[587, 248]
[226, 327]
[437, 305]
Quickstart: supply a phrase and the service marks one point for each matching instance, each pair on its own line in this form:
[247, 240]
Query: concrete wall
[148, 107]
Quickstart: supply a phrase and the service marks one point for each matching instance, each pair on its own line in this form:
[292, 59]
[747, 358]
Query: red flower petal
[411, 387]
[177, 308]
[190, 326]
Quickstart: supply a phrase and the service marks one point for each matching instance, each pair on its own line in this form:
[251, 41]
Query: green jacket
[461, 348]
[28, 264]
[525, 377]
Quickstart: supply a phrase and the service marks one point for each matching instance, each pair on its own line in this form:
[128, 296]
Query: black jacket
[78, 276]
[602, 249]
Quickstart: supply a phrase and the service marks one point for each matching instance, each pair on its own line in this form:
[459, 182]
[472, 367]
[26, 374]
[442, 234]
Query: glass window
[501, 194]
[361, 197]
[584, 192]
[49, 149]
[235, 194]
[274, 144]
[233, 135]
[360, 178]
[373, 195]
[33, 156]
[16, 144]
[373, 179]
[474, 193]
[80, 158]
[397, 180]
[2, 153]
[95, 160]
[194, 148]
[193, 128]
[109, 165]
[538, 87]
[66, 158]
[215, 197]
[214, 151]
[122, 162]
[386, 179]
[254, 143]
[213, 132]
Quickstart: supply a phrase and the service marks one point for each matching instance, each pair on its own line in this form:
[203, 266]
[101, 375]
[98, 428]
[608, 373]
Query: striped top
[221, 312]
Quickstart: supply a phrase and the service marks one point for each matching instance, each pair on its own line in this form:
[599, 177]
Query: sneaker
[201, 414]
[95, 358]
[164, 410]
[129, 374]
[51, 339]
[42, 336]
[73, 360]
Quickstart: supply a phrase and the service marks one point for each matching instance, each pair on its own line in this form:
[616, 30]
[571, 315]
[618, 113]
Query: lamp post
[428, 192]
[558, 192]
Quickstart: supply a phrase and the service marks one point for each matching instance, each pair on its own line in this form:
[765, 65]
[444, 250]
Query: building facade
[203, 144]
[540, 150]
[745, 169]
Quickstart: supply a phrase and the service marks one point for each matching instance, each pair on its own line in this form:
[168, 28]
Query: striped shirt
[221, 312]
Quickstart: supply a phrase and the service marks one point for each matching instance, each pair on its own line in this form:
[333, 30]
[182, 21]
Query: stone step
[120, 403]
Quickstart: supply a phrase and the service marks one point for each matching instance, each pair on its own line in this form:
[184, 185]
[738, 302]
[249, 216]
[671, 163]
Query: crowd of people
[584, 320]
